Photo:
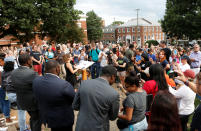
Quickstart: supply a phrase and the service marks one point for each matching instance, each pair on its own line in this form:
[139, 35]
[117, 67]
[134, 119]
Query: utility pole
[137, 26]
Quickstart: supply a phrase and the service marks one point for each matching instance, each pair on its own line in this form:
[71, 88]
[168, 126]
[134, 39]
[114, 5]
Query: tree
[24, 19]
[58, 19]
[152, 42]
[18, 18]
[94, 26]
[182, 19]
[117, 23]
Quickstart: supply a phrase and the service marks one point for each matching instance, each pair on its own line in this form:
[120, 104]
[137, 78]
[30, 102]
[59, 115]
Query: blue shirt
[138, 58]
[152, 56]
[76, 52]
[50, 55]
[94, 54]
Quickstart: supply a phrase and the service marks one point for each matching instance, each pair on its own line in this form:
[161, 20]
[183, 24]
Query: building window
[128, 29]
[138, 29]
[119, 38]
[149, 37]
[133, 29]
[133, 38]
[156, 29]
[159, 35]
[152, 37]
[145, 29]
[79, 25]
[123, 30]
[145, 37]
[163, 36]
[138, 38]
[152, 29]
[124, 38]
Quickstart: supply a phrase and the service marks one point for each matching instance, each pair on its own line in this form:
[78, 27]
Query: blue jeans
[95, 70]
[4, 104]
[21, 113]
[22, 120]
[12, 97]
[142, 125]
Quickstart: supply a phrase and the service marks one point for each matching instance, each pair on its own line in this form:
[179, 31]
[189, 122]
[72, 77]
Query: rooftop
[141, 22]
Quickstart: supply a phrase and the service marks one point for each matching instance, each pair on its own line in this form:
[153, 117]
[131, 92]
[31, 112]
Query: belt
[194, 67]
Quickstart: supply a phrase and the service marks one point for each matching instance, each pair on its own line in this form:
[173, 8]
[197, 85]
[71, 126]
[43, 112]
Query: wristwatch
[186, 82]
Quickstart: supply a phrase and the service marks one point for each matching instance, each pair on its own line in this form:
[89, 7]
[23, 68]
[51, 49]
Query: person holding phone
[134, 106]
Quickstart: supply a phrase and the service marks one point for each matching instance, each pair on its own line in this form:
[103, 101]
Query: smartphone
[139, 75]
[175, 74]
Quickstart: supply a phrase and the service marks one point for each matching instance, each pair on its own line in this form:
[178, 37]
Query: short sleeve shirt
[121, 61]
[36, 55]
[137, 101]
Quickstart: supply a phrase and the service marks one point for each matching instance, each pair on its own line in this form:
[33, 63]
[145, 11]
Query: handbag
[121, 124]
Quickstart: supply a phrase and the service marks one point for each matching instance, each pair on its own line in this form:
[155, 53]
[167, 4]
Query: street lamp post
[137, 26]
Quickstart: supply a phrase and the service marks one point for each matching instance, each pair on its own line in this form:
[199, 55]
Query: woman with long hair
[134, 106]
[70, 70]
[164, 113]
[157, 80]
[163, 59]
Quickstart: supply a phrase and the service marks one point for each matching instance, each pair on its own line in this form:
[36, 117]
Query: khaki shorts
[121, 73]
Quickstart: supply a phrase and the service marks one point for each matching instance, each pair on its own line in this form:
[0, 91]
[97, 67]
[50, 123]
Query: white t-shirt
[1, 68]
[185, 99]
[184, 67]
[104, 61]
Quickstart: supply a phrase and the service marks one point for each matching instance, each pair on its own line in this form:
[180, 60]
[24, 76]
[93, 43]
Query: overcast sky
[123, 10]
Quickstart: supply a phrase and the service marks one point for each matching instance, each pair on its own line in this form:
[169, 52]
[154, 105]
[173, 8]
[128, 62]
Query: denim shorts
[142, 125]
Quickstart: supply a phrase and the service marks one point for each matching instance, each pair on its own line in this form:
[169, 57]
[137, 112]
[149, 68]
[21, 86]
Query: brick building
[130, 33]
[109, 34]
[82, 23]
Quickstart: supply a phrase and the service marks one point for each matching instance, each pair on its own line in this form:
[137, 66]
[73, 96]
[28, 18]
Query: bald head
[51, 66]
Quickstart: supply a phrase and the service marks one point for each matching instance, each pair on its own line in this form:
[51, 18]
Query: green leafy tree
[152, 42]
[182, 19]
[23, 19]
[18, 18]
[117, 23]
[58, 19]
[94, 26]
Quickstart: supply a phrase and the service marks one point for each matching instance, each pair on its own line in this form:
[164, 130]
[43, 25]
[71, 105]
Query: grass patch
[197, 102]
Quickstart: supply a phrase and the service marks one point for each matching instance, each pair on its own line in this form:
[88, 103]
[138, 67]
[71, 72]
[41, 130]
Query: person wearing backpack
[95, 68]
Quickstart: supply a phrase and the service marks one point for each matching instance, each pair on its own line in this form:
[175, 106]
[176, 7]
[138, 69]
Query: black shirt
[36, 55]
[121, 61]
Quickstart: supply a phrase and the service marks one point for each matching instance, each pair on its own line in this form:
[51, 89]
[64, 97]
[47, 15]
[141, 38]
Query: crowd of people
[160, 84]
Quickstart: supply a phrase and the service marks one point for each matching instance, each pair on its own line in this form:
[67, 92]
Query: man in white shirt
[185, 99]
[103, 59]
[195, 58]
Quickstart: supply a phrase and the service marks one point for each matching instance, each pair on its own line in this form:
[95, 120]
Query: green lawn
[197, 102]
